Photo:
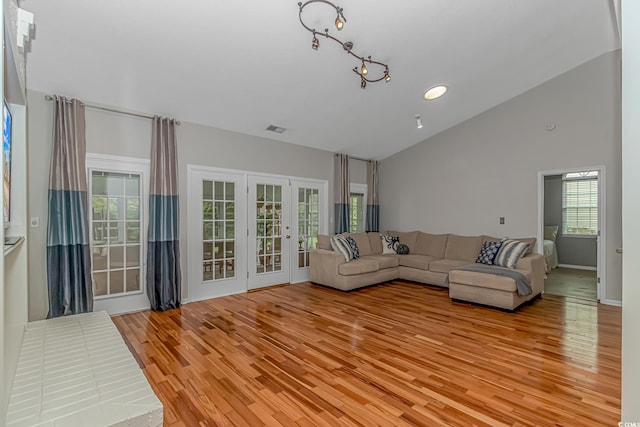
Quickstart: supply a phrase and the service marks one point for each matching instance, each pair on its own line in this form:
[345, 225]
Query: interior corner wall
[467, 177]
[630, 211]
[120, 135]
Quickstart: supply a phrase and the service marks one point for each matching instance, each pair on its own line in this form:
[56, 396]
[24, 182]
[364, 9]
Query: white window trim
[104, 162]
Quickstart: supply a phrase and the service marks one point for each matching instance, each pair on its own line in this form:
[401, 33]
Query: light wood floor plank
[396, 354]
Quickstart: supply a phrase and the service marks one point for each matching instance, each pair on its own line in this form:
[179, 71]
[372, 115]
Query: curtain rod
[113, 110]
[357, 158]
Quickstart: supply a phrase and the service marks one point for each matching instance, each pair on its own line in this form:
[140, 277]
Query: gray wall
[463, 179]
[116, 134]
[575, 251]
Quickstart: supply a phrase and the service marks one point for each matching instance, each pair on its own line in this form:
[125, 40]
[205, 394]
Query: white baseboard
[578, 267]
[615, 302]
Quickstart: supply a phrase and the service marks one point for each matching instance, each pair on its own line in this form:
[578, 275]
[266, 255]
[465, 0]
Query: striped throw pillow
[510, 252]
[340, 244]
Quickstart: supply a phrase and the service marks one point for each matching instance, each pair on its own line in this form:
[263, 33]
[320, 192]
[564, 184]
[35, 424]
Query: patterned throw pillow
[510, 252]
[488, 252]
[402, 249]
[354, 247]
[340, 244]
[389, 244]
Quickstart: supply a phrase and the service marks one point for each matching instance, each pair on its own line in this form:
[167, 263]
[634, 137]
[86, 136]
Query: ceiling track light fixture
[363, 71]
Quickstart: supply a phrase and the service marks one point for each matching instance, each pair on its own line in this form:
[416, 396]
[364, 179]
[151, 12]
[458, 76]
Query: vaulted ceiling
[242, 65]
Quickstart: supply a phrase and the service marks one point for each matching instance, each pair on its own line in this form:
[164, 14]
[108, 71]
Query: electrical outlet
[35, 222]
[501, 220]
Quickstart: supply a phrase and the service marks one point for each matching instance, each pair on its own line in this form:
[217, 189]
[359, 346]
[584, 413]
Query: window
[357, 208]
[116, 224]
[580, 204]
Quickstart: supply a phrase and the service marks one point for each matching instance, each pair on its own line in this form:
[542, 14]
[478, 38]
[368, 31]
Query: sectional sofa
[435, 259]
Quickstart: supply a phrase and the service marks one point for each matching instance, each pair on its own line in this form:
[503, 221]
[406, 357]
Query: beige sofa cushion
[489, 281]
[463, 247]
[420, 262]
[431, 244]
[358, 266]
[385, 261]
[530, 240]
[406, 238]
[362, 240]
[374, 242]
[324, 242]
[446, 265]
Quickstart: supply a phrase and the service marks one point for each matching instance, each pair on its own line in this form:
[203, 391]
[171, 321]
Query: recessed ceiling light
[435, 92]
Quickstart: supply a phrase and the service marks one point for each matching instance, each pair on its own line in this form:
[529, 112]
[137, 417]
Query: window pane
[207, 271]
[230, 191]
[99, 284]
[207, 230]
[133, 256]
[99, 258]
[115, 184]
[230, 210]
[207, 250]
[132, 185]
[133, 280]
[116, 282]
[207, 210]
[219, 210]
[133, 232]
[207, 190]
[231, 230]
[219, 190]
[99, 184]
[133, 209]
[116, 257]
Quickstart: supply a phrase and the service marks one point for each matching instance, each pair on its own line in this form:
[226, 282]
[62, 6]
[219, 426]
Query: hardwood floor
[394, 355]
[570, 282]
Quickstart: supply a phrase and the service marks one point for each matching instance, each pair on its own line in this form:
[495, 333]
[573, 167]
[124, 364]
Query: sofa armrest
[323, 265]
[535, 264]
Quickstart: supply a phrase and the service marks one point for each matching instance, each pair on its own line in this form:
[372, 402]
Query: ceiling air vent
[276, 129]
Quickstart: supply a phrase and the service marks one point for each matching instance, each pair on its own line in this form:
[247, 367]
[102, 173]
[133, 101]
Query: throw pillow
[488, 252]
[510, 252]
[402, 249]
[550, 232]
[354, 247]
[340, 244]
[389, 244]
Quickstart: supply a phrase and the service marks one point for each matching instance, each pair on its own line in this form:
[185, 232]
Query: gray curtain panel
[68, 255]
[163, 249]
[341, 192]
[373, 208]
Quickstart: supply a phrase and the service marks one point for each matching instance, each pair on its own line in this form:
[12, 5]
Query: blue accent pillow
[488, 252]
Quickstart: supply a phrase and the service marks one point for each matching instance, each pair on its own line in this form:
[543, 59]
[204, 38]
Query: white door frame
[601, 241]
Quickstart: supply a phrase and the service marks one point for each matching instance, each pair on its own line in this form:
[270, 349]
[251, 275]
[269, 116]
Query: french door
[309, 219]
[217, 224]
[248, 231]
[269, 231]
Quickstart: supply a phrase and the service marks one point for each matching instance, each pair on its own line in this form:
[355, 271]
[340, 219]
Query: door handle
[288, 236]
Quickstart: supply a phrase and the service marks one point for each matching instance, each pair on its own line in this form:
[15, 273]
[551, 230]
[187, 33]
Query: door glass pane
[307, 224]
[268, 224]
[115, 224]
[218, 244]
